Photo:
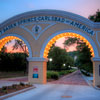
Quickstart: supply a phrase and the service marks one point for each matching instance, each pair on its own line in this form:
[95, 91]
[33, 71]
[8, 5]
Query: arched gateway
[40, 29]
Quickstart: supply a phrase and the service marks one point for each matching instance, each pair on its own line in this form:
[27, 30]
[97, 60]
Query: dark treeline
[60, 59]
[13, 62]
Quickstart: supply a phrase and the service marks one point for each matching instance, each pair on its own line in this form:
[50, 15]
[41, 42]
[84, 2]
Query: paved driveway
[59, 92]
[74, 78]
[70, 87]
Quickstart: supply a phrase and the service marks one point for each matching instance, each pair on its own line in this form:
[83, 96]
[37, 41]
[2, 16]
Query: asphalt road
[70, 87]
[59, 92]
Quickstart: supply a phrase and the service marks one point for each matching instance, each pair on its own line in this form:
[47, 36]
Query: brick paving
[71, 79]
[74, 78]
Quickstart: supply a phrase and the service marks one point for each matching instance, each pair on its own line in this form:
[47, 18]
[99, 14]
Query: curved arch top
[96, 53]
[52, 12]
[21, 23]
[23, 39]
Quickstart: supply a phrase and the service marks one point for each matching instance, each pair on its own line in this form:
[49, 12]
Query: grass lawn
[12, 74]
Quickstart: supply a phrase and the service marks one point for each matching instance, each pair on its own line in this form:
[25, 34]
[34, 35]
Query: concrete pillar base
[41, 68]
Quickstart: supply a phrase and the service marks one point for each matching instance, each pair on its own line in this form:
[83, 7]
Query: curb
[89, 82]
[85, 78]
[15, 93]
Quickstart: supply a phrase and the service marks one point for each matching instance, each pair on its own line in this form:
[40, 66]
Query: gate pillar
[37, 70]
[96, 71]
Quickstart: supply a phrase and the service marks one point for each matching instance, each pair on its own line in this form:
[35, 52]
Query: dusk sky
[10, 8]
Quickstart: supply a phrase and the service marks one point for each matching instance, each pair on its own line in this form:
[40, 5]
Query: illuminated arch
[7, 37]
[48, 43]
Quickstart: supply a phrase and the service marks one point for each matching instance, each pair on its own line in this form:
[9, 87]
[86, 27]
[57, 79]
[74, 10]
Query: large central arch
[91, 42]
[38, 28]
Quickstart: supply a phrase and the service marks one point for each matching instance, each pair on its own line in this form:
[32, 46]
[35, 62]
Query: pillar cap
[36, 59]
[96, 59]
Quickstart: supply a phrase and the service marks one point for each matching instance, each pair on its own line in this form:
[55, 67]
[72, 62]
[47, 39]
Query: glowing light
[7, 39]
[47, 48]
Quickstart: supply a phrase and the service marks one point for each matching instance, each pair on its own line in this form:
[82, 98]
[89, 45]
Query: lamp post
[50, 59]
[64, 65]
[69, 66]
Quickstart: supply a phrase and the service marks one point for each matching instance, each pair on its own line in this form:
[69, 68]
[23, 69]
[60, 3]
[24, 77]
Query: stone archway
[84, 36]
[37, 28]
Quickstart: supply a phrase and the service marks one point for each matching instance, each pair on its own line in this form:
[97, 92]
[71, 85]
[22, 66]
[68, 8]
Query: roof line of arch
[52, 12]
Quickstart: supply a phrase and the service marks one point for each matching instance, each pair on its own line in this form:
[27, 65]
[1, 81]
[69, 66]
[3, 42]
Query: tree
[95, 17]
[4, 49]
[20, 44]
[84, 55]
[14, 61]
[59, 57]
[84, 58]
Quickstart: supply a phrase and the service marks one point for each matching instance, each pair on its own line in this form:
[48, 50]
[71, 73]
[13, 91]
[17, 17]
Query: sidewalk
[10, 81]
[89, 80]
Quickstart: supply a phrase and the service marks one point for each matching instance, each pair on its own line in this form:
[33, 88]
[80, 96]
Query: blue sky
[9, 8]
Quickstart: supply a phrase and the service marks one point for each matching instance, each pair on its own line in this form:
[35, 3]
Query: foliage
[56, 74]
[10, 74]
[4, 49]
[52, 75]
[13, 61]
[4, 88]
[14, 86]
[73, 53]
[59, 57]
[65, 72]
[20, 44]
[95, 17]
[71, 41]
[22, 84]
[83, 60]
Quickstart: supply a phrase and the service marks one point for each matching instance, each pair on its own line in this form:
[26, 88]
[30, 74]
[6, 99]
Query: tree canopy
[83, 56]
[95, 17]
[59, 58]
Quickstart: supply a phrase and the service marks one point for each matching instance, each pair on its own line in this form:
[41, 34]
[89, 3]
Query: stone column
[96, 71]
[40, 65]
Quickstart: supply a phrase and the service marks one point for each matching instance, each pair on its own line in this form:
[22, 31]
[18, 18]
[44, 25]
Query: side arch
[73, 31]
[22, 38]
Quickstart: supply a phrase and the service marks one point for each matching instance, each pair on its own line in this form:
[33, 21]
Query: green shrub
[49, 75]
[5, 91]
[52, 75]
[65, 72]
[14, 86]
[4, 88]
[55, 75]
[22, 84]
